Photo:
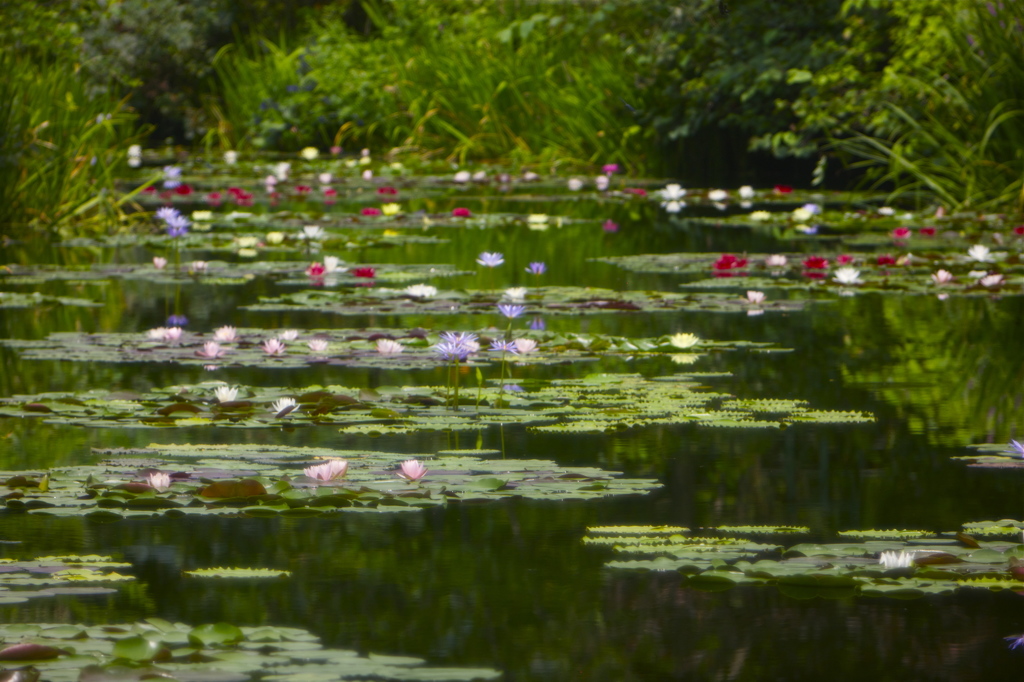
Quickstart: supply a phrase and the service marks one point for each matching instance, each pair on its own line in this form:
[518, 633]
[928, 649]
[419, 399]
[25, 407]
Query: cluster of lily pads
[156, 648]
[178, 480]
[895, 563]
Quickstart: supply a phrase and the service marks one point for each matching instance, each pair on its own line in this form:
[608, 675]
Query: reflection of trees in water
[954, 369]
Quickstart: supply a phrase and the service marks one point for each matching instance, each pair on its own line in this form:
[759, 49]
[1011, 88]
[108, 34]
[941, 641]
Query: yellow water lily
[391, 209]
[684, 340]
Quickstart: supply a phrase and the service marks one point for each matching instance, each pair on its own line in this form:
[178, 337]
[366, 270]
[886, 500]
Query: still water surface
[510, 585]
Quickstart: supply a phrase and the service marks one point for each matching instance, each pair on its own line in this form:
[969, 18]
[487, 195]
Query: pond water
[510, 585]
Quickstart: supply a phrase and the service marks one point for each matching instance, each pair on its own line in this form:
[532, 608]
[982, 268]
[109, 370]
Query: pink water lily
[412, 470]
[211, 350]
[225, 334]
[328, 471]
[160, 481]
[273, 347]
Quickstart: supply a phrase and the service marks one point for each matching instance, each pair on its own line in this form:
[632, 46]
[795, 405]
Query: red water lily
[371, 211]
[783, 189]
[214, 198]
[901, 233]
[815, 263]
[316, 270]
[303, 190]
[1019, 230]
[183, 190]
[885, 260]
[365, 272]
[927, 231]
[727, 261]
[387, 190]
[844, 259]
[461, 212]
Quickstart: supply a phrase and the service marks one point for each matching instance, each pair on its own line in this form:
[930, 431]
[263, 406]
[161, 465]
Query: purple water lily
[537, 268]
[490, 259]
[504, 346]
[510, 310]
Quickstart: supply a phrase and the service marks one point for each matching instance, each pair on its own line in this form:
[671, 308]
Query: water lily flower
[273, 347]
[172, 177]
[198, 266]
[490, 259]
[282, 407]
[885, 259]
[172, 334]
[536, 219]
[309, 153]
[524, 346]
[783, 189]
[530, 176]
[391, 209]
[177, 225]
[847, 276]
[801, 214]
[226, 394]
[1016, 449]
[230, 157]
[610, 168]
[980, 253]
[755, 297]
[157, 333]
[275, 238]
[315, 270]
[176, 320]
[159, 481]
[901, 233]
[886, 211]
[370, 210]
[776, 261]
[328, 471]
[610, 226]
[575, 184]
[331, 263]
[511, 311]
[927, 231]
[281, 170]
[684, 340]
[718, 195]
[759, 216]
[367, 175]
[325, 178]
[365, 273]
[727, 261]
[815, 263]
[502, 346]
[389, 347]
[1019, 231]
[891, 560]
[942, 277]
[211, 349]
[288, 335]
[993, 280]
[225, 334]
[318, 345]
[313, 232]
[412, 470]
[536, 268]
[746, 192]
[135, 150]
[673, 206]
[601, 182]
[421, 291]
[461, 177]
[1015, 641]
[159, 263]
[461, 213]
[515, 294]
[365, 153]
[303, 190]
[672, 192]
[844, 259]
[456, 345]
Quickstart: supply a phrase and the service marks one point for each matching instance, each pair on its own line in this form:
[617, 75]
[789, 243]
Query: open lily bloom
[412, 470]
[328, 471]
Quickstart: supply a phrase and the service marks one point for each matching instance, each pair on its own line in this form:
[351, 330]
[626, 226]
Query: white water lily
[718, 195]
[746, 192]
[886, 210]
[225, 334]
[759, 216]
[421, 291]
[801, 214]
[575, 184]
[313, 232]
[891, 560]
[462, 176]
[776, 260]
[847, 276]
[980, 253]
[755, 297]
[226, 394]
[684, 340]
[159, 262]
[159, 481]
[942, 277]
[515, 294]
[318, 345]
[389, 347]
[135, 150]
[524, 346]
[480, 176]
[332, 264]
[309, 153]
[281, 170]
[601, 182]
[172, 334]
[288, 335]
[202, 216]
[230, 157]
[285, 405]
[673, 206]
[367, 174]
[672, 192]
[198, 266]
[530, 176]
[325, 178]
[537, 219]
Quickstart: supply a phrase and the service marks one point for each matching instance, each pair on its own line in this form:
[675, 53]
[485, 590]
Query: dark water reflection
[510, 585]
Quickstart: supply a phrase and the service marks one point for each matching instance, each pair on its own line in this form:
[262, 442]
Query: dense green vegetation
[920, 94]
